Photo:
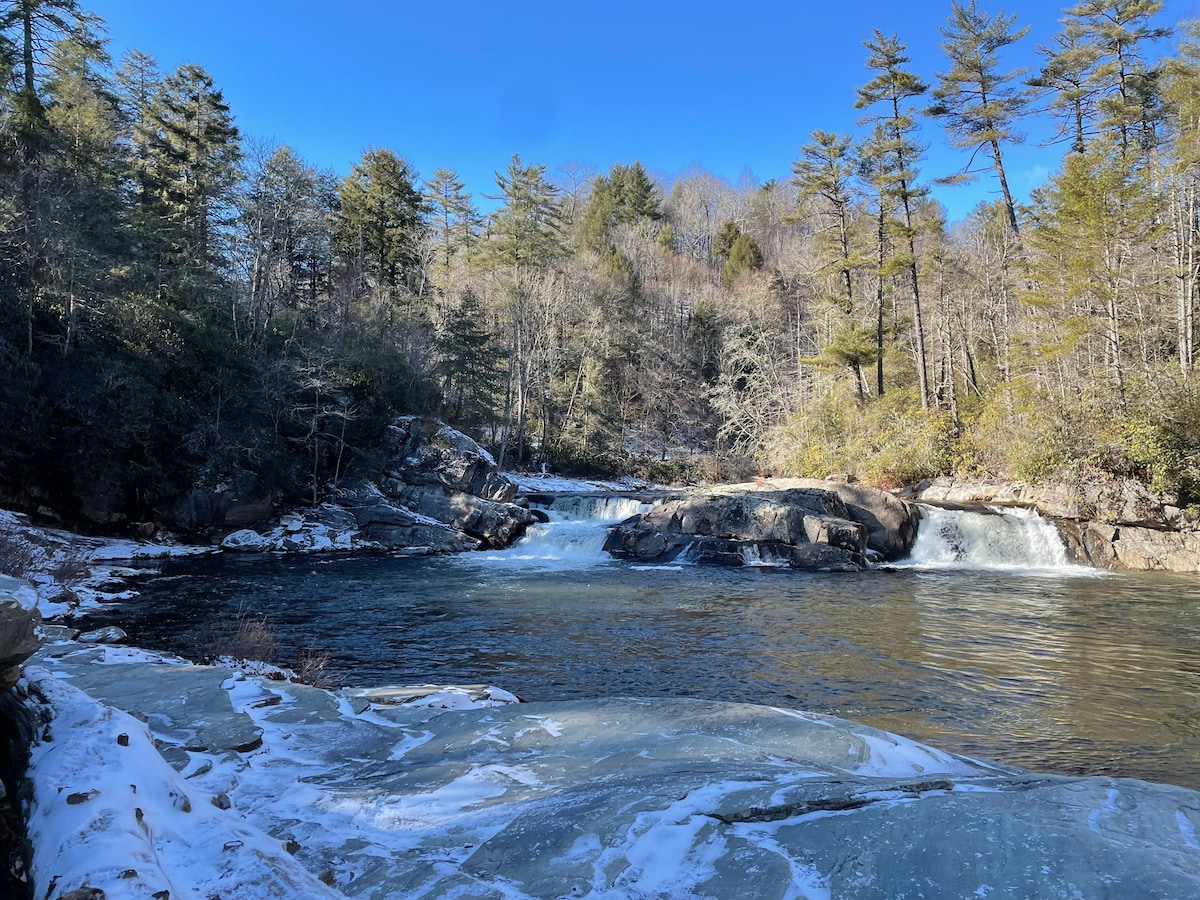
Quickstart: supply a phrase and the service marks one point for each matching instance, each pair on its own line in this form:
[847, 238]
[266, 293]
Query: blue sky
[732, 87]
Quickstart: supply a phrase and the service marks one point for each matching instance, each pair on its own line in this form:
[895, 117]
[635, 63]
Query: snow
[109, 813]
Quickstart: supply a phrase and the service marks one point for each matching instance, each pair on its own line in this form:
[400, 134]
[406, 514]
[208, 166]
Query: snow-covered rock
[19, 619]
[109, 815]
[246, 541]
[110, 634]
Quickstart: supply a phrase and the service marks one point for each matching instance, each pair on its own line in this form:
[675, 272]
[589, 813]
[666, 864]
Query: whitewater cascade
[991, 538]
[572, 538]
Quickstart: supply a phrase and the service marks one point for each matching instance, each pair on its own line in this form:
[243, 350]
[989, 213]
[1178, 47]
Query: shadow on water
[1067, 672]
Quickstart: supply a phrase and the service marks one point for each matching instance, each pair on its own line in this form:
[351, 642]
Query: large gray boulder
[745, 528]
[19, 618]
[891, 522]
[423, 451]
[496, 524]
[391, 525]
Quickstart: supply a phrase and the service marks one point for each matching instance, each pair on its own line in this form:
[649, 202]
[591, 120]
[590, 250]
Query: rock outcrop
[427, 452]
[800, 527]
[891, 523]
[438, 492]
[19, 618]
[601, 798]
[1112, 523]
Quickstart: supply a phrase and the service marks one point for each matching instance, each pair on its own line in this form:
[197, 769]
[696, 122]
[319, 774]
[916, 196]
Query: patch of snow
[108, 813]
[24, 593]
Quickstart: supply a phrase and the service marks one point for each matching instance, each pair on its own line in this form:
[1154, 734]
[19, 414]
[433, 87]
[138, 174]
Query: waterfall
[991, 538]
[573, 538]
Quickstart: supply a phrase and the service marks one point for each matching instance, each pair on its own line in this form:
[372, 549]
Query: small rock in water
[108, 635]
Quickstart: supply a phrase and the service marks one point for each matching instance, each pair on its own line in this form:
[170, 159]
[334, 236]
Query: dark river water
[1059, 670]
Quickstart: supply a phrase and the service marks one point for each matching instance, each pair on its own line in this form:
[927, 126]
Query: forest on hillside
[181, 305]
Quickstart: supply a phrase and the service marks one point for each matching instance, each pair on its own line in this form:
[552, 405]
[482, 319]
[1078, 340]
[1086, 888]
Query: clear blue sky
[733, 86]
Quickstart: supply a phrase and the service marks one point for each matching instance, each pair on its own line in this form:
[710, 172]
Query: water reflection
[1070, 674]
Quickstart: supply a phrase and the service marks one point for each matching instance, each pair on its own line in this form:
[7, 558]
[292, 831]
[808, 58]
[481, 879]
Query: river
[989, 643]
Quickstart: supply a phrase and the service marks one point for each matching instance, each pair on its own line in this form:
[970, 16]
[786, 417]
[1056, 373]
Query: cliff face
[1112, 523]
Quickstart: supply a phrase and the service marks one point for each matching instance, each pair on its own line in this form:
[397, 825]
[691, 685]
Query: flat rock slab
[649, 798]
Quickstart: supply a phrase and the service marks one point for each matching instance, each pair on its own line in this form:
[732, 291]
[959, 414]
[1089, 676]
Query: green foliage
[744, 256]
[626, 196]
[381, 222]
[888, 442]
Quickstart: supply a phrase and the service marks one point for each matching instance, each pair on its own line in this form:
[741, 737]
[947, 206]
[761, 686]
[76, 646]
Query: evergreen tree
[83, 227]
[895, 141]
[977, 102]
[525, 230]
[285, 217]
[1121, 78]
[29, 30]
[625, 197]
[189, 150]
[725, 238]
[454, 220]
[824, 172]
[382, 222]
[744, 256]
[1066, 75]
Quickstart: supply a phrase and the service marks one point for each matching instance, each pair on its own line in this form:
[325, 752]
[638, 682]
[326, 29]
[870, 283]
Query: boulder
[246, 541]
[19, 618]
[427, 452]
[496, 524]
[392, 526]
[746, 528]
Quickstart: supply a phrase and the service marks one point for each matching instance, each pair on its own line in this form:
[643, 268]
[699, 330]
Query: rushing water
[989, 642]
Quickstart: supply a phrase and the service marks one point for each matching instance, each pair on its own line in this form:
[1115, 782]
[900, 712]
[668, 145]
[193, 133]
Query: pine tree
[189, 150]
[895, 140]
[29, 30]
[824, 171]
[744, 256]
[1066, 75]
[454, 220]
[1121, 78]
[525, 230]
[382, 225]
[626, 196]
[82, 209]
[977, 103]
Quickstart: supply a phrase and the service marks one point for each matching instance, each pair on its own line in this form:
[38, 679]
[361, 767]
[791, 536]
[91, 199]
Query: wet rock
[496, 524]
[1114, 523]
[390, 525]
